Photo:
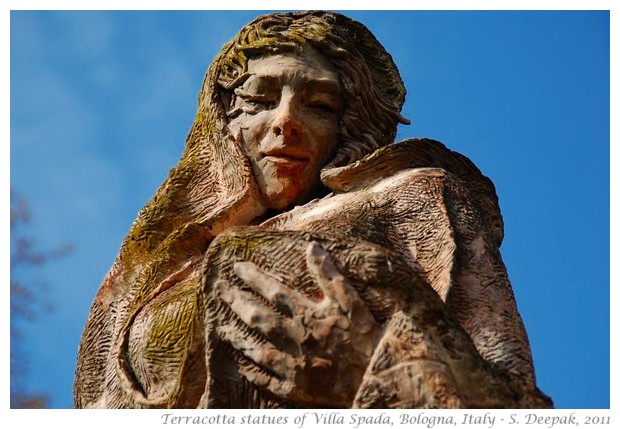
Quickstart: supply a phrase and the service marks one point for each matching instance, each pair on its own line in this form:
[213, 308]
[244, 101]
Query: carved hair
[372, 87]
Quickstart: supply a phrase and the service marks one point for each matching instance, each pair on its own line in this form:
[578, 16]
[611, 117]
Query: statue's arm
[481, 298]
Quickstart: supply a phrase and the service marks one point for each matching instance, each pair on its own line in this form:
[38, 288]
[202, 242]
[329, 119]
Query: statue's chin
[281, 201]
[282, 193]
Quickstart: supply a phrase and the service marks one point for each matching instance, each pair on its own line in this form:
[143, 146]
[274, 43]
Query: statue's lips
[286, 158]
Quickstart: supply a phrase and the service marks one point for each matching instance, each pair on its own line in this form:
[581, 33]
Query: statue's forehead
[310, 63]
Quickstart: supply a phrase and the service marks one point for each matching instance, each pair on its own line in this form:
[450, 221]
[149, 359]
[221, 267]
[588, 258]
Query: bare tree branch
[28, 298]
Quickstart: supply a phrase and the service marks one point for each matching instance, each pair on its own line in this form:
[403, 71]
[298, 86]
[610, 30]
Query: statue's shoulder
[399, 163]
[408, 154]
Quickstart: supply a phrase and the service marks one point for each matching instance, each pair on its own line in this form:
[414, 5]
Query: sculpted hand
[317, 348]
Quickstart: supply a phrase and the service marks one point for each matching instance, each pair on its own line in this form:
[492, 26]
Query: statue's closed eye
[253, 101]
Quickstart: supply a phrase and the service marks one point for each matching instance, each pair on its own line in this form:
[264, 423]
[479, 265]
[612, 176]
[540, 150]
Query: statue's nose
[287, 123]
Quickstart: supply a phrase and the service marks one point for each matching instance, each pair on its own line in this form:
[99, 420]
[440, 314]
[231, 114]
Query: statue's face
[290, 111]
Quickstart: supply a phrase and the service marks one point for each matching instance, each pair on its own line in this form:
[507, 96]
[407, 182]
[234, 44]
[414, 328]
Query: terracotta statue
[297, 257]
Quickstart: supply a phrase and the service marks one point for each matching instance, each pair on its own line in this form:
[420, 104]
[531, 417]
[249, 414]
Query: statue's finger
[252, 312]
[260, 378]
[284, 298]
[262, 353]
[328, 278]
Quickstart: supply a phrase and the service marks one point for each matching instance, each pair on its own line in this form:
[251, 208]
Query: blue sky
[101, 103]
